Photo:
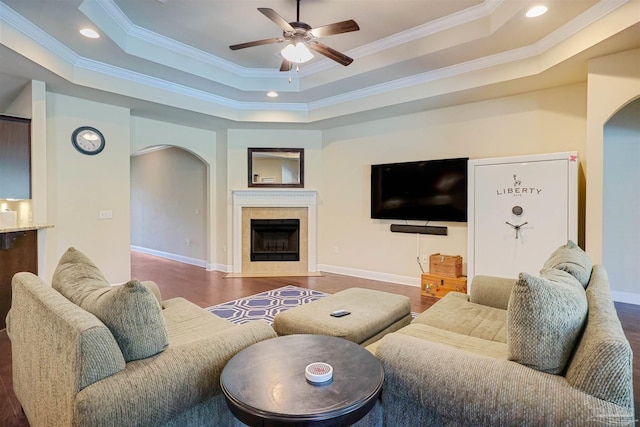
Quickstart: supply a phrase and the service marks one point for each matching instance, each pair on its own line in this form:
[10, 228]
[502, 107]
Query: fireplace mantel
[274, 199]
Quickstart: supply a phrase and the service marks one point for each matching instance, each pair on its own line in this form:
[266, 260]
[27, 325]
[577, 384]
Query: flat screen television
[430, 190]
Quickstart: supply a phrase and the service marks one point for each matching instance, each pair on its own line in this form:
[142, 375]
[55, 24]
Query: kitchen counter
[25, 227]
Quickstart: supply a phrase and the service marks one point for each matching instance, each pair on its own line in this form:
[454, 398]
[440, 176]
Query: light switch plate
[106, 214]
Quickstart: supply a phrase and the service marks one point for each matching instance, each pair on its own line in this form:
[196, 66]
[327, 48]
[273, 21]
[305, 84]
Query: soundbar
[419, 229]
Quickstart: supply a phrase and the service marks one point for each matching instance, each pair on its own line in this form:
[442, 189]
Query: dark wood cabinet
[15, 158]
[22, 256]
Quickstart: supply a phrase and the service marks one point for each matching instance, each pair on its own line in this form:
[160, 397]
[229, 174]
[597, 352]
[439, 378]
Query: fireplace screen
[275, 240]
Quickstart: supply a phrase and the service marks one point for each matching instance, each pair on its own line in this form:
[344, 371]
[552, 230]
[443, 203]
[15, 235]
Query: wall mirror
[276, 167]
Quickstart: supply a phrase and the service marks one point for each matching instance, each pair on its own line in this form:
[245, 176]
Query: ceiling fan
[301, 38]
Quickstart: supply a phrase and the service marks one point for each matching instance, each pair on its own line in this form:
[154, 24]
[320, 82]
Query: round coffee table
[265, 385]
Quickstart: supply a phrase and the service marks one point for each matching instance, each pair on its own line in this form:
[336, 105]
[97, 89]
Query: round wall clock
[88, 140]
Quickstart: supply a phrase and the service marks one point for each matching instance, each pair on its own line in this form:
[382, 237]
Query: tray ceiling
[172, 57]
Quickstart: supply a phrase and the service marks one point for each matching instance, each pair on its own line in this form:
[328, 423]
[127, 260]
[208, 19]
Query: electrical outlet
[424, 259]
[105, 214]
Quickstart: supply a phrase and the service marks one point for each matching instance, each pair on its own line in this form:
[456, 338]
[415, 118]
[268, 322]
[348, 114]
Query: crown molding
[580, 22]
[429, 28]
[28, 29]
[165, 85]
[132, 30]
[66, 63]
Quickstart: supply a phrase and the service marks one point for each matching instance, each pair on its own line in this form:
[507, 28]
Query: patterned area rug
[266, 305]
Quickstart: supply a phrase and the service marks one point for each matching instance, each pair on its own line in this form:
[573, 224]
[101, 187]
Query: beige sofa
[514, 353]
[70, 369]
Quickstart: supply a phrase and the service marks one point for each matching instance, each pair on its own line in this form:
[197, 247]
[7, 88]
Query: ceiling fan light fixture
[298, 53]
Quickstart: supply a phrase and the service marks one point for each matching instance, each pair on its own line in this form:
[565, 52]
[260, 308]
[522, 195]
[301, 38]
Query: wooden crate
[445, 265]
[429, 284]
[434, 285]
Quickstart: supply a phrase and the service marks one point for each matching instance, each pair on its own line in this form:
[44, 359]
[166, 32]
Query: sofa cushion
[455, 313]
[484, 347]
[544, 320]
[188, 322]
[572, 259]
[130, 311]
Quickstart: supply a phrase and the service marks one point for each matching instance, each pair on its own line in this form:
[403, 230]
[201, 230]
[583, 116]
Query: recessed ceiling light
[272, 94]
[88, 32]
[537, 11]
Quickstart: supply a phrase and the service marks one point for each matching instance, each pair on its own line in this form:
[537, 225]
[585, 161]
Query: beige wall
[222, 221]
[147, 133]
[80, 186]
[351, 242]
[614, 81]
[238, 140]
[241, 139]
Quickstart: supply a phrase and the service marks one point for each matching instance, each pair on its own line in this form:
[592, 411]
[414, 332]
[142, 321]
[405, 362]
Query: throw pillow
[151, 286]
[572, 259]
[131, 311]
[134, 316]
[545, 318]
[75, 275]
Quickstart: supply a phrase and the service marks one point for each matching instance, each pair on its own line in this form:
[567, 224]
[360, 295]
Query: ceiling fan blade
[279, 20]
[256, 43]
[336, 28]
[330, 53]
[286, 65]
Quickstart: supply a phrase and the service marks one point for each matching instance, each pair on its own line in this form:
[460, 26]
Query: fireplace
[275, 240]
[279, 205]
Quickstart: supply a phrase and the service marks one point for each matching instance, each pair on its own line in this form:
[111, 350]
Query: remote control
[340, 313]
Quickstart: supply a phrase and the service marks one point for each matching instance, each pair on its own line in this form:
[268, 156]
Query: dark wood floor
[210, 288]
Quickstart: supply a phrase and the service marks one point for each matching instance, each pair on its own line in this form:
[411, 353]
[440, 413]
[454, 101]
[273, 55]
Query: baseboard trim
[617, 296]
[626, 297]
[220, 267]
[173, 257]
[372, 275]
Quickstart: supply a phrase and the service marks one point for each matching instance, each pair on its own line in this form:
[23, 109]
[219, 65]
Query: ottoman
[373, 315]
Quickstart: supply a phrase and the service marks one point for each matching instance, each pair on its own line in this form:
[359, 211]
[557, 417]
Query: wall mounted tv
[430, 190]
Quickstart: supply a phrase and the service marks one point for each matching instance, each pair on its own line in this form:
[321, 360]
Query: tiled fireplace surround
[274, 204]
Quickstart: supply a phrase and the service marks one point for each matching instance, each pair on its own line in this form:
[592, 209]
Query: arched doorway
[621, 197]
[169, 207]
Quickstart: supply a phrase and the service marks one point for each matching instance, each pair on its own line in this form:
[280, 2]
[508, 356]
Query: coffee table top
[265, 383]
